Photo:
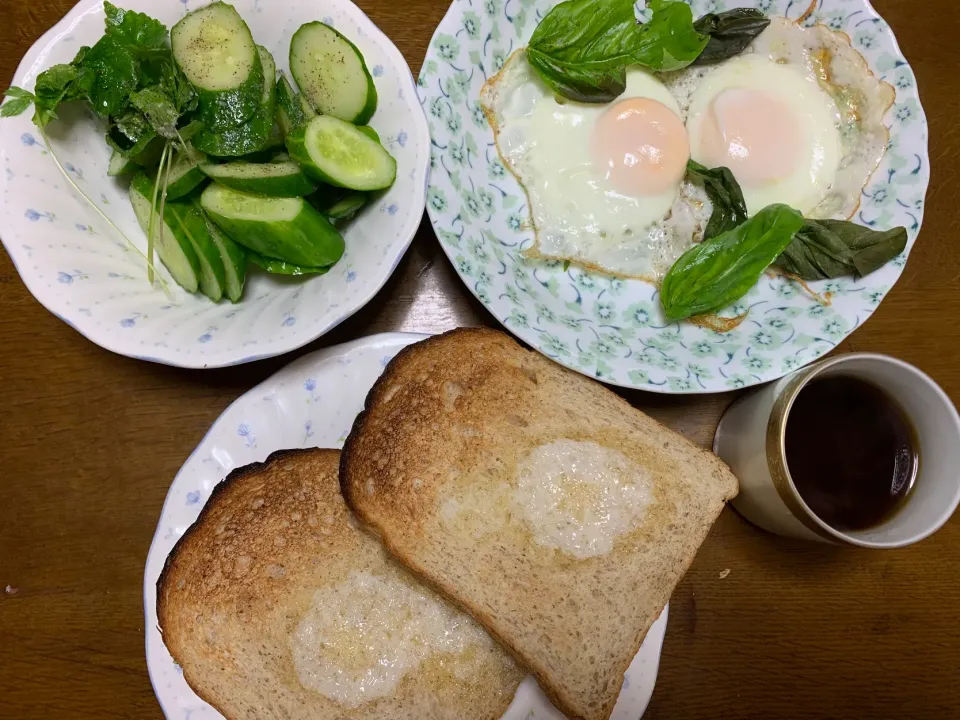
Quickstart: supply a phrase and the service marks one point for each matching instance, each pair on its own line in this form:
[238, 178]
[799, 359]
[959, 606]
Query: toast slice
[277, 605]
[559, 516]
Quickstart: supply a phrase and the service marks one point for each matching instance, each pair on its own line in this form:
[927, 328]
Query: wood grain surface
[91, 442]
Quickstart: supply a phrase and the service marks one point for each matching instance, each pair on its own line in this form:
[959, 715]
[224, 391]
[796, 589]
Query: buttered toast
[559, 516]
[277, 605]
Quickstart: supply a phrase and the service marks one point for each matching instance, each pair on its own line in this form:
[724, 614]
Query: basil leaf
[582, 48]
[282, 267]
[825, 249]
[670, 40]
[730, 32]
[19, 101]
[729, 207]
[107, 73]
[577, 81]
[134, 28]
[715, 273]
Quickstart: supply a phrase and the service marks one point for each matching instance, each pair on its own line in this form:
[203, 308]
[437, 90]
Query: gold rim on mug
[776, 447]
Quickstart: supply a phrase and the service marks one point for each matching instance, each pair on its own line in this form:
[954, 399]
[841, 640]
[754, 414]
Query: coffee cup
[751, 439]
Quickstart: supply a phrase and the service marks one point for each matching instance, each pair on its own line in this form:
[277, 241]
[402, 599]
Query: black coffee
[851, 451]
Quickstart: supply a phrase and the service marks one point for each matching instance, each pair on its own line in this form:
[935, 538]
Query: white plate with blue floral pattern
[311, 403]
[614, 329]
[84, 273]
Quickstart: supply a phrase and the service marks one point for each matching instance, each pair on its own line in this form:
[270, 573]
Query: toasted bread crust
[237, 583]
[456, 411]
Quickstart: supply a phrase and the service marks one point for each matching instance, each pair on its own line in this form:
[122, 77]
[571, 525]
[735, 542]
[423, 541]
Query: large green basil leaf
[825, 249]
[729, 207]
[582, 48]
[730, 32]
[669, 41]
[718, 272]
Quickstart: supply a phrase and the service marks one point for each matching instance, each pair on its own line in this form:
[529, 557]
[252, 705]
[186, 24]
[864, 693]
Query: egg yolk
[752, 132]
[642, 145]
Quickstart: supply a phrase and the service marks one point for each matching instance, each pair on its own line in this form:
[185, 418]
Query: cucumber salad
[230, 164]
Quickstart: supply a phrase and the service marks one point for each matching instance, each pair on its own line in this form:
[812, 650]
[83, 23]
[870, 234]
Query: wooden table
[91, 442]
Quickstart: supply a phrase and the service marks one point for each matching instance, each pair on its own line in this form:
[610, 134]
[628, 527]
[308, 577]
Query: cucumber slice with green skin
[189, 218]
[337, 203]
[369, 132]
[174, 248]
[338, 153]
[121, 165]
[185, 175]
[215, 50]
[347, 206]
[253, 135]
[280, 267]
[282, 179]
[293, 110]
[234, 258]
[332, 74]
[288, 229]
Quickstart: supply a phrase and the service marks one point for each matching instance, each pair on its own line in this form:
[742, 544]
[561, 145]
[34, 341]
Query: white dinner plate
[312, 403]
[614, 329]
[83, 272]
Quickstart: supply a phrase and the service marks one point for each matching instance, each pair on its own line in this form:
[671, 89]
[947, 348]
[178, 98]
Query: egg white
[577, 217]
[819, 158]
[577, 212]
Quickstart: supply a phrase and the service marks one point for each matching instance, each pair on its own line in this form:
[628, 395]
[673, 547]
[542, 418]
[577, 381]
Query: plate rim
[235, 356]
[528, 336]
[317, 358]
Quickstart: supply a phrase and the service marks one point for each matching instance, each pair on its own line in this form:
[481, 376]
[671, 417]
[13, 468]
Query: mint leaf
[582, 48]
[19, 100]
[158, 109]
[130, 132]
[107, 73]
[55, 85]
[133, 28]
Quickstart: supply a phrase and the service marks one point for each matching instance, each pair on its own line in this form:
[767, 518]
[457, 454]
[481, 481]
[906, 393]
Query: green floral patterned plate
[614, 329]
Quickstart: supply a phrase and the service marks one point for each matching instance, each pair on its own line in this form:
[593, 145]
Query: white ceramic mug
[750, 439]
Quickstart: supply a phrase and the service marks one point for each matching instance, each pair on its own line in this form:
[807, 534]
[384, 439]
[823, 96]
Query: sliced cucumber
[174, 248]
[293, 110]
[280, 267]
[189, 218]
[256, 133]
[120, 164]
[347, 206]
[284, 228]
[338, 153]
[234, 258]
[369, 132]
[215, 50]
[185, 175]
[277, 179]
[332, 74]
[337, 203]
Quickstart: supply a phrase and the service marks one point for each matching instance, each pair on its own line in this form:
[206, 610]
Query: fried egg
[600, 177]
[797, 117]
